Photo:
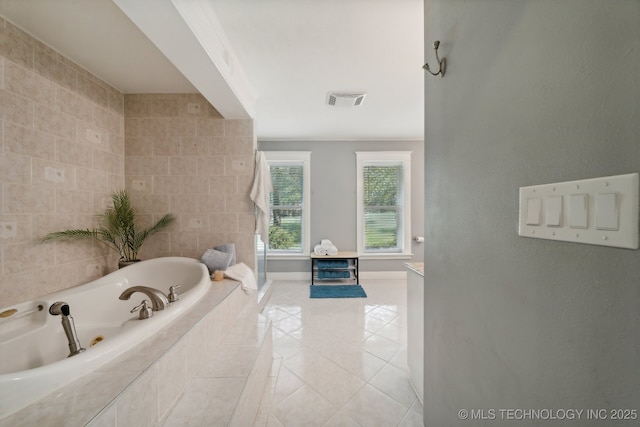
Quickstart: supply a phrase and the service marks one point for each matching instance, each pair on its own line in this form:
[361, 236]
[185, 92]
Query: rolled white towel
[332, 251]
[326, 244]
[319, 250]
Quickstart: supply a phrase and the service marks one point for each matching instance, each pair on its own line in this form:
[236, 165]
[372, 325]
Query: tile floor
[339, 362]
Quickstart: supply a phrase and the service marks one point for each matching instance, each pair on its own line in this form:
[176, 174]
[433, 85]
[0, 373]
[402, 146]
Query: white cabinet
[415, 326]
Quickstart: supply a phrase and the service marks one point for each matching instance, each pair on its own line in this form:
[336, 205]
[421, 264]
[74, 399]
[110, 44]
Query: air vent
[345, 99]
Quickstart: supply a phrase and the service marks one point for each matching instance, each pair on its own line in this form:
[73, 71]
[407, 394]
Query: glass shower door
[261, 255]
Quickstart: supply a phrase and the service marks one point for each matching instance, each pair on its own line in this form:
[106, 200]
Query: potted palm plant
[117, 230]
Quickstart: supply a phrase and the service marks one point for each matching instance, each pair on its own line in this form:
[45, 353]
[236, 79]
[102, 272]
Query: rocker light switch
[534, 206]
[578, 205]
[607, 211]
[553, 211]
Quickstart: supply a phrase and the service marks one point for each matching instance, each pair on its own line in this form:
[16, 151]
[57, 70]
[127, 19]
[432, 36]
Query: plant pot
[124, 263]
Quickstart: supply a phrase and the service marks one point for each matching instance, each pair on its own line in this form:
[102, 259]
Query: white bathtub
[34, 348]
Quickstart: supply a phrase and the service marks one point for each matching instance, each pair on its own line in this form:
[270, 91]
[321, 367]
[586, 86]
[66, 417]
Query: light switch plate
[597, 211]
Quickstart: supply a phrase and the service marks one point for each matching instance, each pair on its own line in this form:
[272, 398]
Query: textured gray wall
[535, 92]
[333, 196]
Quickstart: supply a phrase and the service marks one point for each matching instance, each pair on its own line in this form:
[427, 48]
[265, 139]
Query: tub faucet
[159, 300]
[62, 309]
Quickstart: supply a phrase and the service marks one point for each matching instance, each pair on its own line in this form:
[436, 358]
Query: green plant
[117, 229]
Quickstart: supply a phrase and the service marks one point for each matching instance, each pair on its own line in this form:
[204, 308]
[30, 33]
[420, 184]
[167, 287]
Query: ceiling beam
[189, 34]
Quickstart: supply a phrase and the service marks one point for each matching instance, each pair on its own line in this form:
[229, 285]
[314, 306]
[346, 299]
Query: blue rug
[337, 291]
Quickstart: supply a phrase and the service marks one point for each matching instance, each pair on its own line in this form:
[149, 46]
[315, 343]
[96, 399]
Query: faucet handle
[173, 296]
[145, 310]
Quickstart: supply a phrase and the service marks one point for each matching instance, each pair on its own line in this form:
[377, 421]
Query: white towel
[319, 250]
[243, 274]
[260, 190]
[325, 247]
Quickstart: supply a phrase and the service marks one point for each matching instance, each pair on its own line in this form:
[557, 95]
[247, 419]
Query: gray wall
[535, 92]
[333, 196]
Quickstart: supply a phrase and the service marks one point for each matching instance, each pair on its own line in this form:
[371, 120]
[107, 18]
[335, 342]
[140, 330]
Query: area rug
[337, 291]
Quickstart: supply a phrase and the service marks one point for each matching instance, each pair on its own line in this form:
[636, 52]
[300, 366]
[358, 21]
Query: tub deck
[221, 349]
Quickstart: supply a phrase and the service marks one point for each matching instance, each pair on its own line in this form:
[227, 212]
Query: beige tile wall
[182, 157]
[62, 154]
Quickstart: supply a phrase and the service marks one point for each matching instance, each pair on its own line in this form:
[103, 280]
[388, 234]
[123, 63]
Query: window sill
[288, 257]
[385, 256]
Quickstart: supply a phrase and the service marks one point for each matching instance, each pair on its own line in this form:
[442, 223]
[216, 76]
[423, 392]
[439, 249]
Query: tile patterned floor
[339, 362]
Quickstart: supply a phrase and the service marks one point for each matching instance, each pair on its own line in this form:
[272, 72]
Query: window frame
[384, 158]
[295, 158]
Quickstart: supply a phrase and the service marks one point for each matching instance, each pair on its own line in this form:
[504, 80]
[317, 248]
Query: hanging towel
[262, 186]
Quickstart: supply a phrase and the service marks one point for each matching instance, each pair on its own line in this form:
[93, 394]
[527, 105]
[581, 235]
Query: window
[289, 223]
[384, 203]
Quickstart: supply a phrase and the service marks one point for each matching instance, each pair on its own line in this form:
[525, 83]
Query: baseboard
[383, 275]
[294, 275]
[364, 275]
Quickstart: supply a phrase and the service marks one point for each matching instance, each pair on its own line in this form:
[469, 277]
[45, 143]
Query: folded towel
[325, 247]
[333, 274]
[321, 264]
[243, 274]
[319, 250]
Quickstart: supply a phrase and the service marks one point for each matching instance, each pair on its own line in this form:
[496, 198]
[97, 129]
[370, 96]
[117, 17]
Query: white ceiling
[292, 53]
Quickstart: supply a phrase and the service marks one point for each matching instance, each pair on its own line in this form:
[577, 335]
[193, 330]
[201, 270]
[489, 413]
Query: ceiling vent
[345, 99]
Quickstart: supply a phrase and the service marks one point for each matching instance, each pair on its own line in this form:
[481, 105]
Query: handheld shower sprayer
[61, 308]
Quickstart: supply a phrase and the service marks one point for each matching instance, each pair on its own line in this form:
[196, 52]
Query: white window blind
[382, 207]
[285, 229]
[384, 203]
[290, 203]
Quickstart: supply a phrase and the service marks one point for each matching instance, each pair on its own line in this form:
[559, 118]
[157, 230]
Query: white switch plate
[587, 213]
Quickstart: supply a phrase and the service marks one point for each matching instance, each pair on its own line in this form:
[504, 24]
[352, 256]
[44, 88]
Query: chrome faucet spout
[159, 300]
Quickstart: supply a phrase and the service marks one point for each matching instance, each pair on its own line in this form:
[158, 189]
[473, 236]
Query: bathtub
[34, 349]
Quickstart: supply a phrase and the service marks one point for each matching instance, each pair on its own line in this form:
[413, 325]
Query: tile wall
[182, 157]
[63, 152]
[61, 155]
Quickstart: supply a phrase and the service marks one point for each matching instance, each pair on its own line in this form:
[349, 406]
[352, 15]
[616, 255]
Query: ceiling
[274, 60]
